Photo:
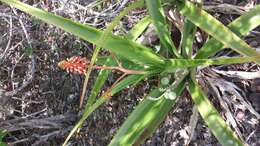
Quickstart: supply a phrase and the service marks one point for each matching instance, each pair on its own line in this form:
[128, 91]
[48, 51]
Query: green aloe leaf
[210, 115]
[147, 116]
[131, 80]
[139, 119]
[119, 45]
[108, 60]
[103, 74]
[188, 34]
[215, 28]
[100, 80]
[241, 26]
[85, 115]
[133, 34]
[101, 41]
[3, 133]
[158, 18]
[138, 29]
[173, 64]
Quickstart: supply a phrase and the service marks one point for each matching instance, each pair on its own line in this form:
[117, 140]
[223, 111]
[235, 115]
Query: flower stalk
[79, 65]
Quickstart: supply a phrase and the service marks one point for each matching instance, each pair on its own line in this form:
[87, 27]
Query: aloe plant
[177, 69]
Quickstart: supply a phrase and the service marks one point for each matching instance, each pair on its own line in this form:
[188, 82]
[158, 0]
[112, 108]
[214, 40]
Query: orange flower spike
[75, 64]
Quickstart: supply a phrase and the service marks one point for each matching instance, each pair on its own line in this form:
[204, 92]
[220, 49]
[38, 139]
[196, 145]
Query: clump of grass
[179, 64]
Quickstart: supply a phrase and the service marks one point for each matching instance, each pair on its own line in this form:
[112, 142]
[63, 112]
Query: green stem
[102, 41]
[124, 70]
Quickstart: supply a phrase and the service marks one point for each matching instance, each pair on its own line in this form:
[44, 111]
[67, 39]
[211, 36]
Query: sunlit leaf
[158, 18]
[119, 45]
[241, 26]
[210, 115]
[215, 28]
[146, 117]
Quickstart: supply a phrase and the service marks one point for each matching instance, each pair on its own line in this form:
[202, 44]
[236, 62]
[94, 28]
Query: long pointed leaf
[86, 114]
[3, 133]
[216, 124]
[119, 45]
[128, 81]
[241, 26]
[188, 34]
[100, 42]
[147, 115]
[138, 29]
[216, 29]
[104, 73]
[158, 18]
[173, 64]
[100, 80]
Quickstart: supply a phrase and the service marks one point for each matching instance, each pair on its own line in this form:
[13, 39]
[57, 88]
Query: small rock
[240, 115]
